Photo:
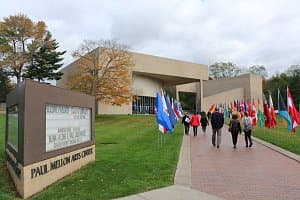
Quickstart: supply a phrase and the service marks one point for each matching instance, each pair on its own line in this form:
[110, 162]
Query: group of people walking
[195, 122]
[217, 122]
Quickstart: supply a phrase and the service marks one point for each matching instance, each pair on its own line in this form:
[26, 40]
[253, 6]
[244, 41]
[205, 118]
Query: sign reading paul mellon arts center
[49, 134]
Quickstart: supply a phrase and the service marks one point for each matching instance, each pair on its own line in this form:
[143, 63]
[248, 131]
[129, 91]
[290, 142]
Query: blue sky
[246, 32]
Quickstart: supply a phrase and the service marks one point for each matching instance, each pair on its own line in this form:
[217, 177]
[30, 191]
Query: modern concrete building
[149, 74]
[152, 72]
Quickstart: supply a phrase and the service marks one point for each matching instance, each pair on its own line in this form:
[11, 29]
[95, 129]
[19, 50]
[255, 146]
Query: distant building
[152, 72]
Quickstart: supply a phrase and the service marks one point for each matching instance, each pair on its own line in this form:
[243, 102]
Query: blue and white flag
[172, 116]
[283, 112]
[161, 117]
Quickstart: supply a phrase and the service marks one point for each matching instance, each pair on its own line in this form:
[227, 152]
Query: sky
[249, 32]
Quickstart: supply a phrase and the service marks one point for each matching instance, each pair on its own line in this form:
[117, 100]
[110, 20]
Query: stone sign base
[35, 177]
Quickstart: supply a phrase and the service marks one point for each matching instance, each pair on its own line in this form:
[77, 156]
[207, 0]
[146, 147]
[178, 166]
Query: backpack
[247, 123]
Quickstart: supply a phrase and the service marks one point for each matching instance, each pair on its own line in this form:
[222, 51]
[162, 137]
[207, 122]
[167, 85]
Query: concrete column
[177, 94]
[199, 96]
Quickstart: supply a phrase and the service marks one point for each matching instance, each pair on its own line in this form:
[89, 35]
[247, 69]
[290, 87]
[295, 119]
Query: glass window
[13, 127]
[143, 105]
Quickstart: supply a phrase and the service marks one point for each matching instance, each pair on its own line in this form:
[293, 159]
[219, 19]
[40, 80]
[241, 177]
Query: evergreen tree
[45, 60]
[5, 85]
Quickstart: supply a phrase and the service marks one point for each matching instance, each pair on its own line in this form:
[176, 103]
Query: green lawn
[128, 161]
[280, 136]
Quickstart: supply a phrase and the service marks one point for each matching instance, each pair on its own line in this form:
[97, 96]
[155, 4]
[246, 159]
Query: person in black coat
[235, 129]
[186, 121]
[217, 122]
[204, 122]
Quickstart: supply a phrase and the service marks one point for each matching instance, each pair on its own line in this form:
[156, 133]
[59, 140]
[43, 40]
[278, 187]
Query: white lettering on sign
[66, 126]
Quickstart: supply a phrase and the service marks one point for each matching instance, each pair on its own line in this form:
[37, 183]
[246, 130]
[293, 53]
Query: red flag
[292, 110]
[273, 121]
[254, 114]
[266, 113]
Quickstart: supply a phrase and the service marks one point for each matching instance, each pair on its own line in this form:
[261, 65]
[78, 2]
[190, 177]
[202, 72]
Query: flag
[273, 121]
[212, 108]
[180, 109]
[176, 109]
[161, 117]
[165, 108]
[172, 116]
[283, 112]
[246, 106]
[242, 107]
[254, 114]
[260, 115]
[292, 110]
[226, 112]
[266, 112]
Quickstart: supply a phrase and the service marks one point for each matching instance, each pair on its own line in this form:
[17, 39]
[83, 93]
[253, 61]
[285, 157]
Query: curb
[183, 174]
[278, 149]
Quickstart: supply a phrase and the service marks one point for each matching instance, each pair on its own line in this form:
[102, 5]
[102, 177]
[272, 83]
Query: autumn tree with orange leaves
[103, 69]
[27, 49]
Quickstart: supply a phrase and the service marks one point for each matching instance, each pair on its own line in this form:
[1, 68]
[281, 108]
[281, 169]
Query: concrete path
[182, 189]
[242, 173]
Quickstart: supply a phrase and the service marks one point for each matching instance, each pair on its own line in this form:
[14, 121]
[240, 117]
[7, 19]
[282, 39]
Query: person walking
[195, 122]
[235, 128]
[204, 122]
[217, 122]
[186, 121]
[247, 127]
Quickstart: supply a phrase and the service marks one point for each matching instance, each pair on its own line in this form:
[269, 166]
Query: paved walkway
[242, 173]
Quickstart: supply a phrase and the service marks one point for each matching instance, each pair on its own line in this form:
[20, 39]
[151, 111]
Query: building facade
[151, 73]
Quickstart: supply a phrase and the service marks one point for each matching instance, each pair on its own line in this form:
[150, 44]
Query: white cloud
[245, 32]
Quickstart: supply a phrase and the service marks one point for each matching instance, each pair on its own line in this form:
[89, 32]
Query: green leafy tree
[45, 60]
[224, 70]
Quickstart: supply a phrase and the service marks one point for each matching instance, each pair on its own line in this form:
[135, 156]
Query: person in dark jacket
[186, 121]
[204, 122]
[235, 128]
[217, 122]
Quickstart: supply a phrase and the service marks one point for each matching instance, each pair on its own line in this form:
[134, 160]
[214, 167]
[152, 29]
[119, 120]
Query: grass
[280, 136]
[128, 161]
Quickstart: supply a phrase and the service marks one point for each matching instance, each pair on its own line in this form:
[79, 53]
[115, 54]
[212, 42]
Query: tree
[259, 70]
[5, 85]
[104, 71]
[45, 60]
[224, 70]
[21, 40]
[293, 71]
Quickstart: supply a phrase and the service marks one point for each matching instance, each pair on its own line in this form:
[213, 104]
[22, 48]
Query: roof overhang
[167, 79]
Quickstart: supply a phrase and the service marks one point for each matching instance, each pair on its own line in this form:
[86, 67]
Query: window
[143, 105]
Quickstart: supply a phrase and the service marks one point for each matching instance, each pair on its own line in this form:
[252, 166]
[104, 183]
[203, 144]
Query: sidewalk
[242, 173]
[182, 189]
[205, 172]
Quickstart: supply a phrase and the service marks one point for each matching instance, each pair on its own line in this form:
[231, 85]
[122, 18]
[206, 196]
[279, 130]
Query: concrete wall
[2, 108]
[113, 109]
[159, 65]
[145, 86]
[244, 87]
[222, 97]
